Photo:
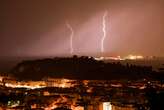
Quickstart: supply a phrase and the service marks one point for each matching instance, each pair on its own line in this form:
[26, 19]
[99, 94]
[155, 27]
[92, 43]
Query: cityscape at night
[81, 55]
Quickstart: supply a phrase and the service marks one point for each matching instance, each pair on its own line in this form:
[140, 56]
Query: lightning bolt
[104, 30]
[71, 37]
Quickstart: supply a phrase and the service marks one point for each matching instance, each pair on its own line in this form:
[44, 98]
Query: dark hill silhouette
[78, 68]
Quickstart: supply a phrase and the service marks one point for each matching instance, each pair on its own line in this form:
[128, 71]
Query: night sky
[38, 27]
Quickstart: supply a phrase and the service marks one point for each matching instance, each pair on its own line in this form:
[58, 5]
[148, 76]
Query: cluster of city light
[134, 57]
[61, 83]
[129, 57]
[73, 107]
[27, 85]
[66, 83]
[62, 99]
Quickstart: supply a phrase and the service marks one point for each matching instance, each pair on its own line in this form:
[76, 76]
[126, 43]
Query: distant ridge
[78, 68]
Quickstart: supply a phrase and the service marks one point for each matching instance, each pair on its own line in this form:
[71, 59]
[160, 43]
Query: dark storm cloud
[37, 27]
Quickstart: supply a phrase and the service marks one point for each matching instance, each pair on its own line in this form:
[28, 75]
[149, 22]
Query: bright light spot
[107, 106]
[134, 57]
[108, 58]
